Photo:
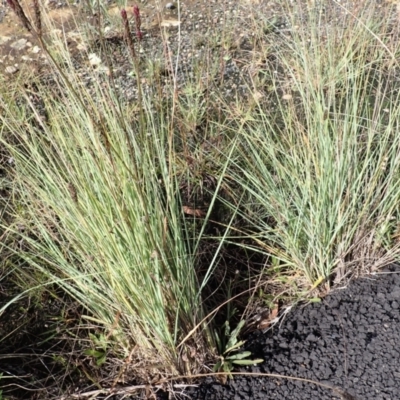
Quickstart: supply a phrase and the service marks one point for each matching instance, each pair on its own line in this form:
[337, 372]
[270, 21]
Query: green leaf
[227, 367]
[94, 353]
[93, 337]
[236, 346]
[217, 366]
[315, 300]
[239, 356]
[247, 362]
[231, 344]
[233, 336]
[100, 361]
[218, 341]
[239, 327]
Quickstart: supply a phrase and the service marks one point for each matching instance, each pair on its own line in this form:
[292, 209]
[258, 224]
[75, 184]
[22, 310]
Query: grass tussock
[104, 220]
[114, 203]
[316, 166]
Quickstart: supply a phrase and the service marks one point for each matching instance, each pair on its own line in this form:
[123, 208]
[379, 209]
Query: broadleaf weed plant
[318, 160]
[229, 350]
[230, 347]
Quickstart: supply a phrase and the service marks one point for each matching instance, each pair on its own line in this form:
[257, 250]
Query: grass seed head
[136, 13]
[38, 20]
[127, 32]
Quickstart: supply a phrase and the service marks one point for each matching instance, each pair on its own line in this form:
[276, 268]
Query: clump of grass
[106, 223]
[317, 164]
[98, 190]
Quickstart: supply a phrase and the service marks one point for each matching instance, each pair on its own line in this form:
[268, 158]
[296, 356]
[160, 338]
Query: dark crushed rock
[350, 341]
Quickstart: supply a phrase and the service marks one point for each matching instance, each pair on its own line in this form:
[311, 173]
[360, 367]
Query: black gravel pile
[350, 341]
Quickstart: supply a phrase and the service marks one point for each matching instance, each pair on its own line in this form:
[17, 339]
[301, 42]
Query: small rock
[4, 39]
[19, 44]
[81, 47]
[166, 23]
[257, 96]
[11, 69]
[94, 60]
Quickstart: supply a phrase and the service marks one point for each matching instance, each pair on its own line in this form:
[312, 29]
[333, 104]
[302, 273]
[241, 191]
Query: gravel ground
[200, 46]
[348, 341]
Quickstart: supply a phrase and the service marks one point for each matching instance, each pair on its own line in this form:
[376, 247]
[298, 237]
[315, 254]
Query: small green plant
[229, 350]
[99, 352]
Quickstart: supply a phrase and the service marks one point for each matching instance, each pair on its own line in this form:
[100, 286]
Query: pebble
[19, 44]
[170, 23]
[11, 69]
[4, 39]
